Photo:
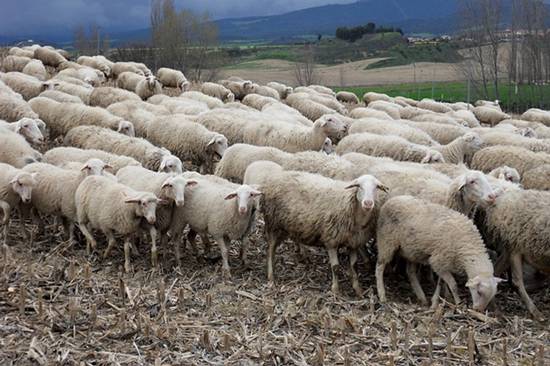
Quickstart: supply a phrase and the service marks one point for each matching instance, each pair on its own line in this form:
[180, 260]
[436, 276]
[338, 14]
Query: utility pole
[98, 37]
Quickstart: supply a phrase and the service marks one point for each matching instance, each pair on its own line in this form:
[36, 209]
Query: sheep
[326, 100]
[14, 63]
[135, 112]
[286, 114]
[217, 91]
[404, 101]
[443, 134]
[324, 212]
[26, 85]
[434, 106]
[82, 92]
[60, 96]
[537, 178]
[395, 128]
[112, 208]
[518, 158]
[129, 80]
[168, 187]
[149, 155]
[95, 63]
[465, 115]
[13, 107]
[308, 108]
[537, 115]
[211, 102]
[489, 115]
[347, 97]
[188, 141]
[49, 57]
[36, 68]
[17, 51]
[369, 113]
[75, 80]
[330, 166]
[177, 105]
[239, 88]
[506, 173]
[420, 232]
[105, 96]
[322, 90]
[457, 151]
[390, 146]
[283, 90]
[121, 67]
[489, 104]
[142, 67]
[541, 131]
[15, 150]
[15, 188]
[370, 97]
[258, 101]
[220, 208]
[26, 127]
[392, 109]
[55, 188]
[266, 91]
[173, 79]
[61, 155]
[439, 118]
[410, 112]
[61, 117]
[497, 137]
[148, 87]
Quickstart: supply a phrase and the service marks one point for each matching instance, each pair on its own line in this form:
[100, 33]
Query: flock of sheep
[439, 184]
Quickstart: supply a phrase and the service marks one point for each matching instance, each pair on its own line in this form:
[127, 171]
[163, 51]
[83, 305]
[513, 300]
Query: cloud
[55, 16]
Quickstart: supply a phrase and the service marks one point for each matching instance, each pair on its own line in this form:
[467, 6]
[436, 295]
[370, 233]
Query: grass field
[407, 54]
[526, 96]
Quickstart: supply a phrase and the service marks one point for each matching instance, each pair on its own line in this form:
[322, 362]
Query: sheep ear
[108, 167]
[191, 183]
[499, 280]
[473, 282]
[462, 181]
[383, 187]
[34, 175]
[162, 202]
[14, 180]
[212, 141]
[255, 193]
[85, 167]
[230, 196]
[353, 185]
[129, 199]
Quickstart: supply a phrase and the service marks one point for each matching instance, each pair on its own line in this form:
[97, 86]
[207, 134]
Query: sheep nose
[151, 219]
[179, 203]
[242, 210]
[368, 204]
[26, 200]
[491, 197]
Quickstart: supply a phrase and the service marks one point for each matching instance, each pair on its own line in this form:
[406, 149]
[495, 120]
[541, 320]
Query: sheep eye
[472, 182]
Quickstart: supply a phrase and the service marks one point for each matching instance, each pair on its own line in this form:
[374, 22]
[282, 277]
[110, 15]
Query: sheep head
[126, 128]
[174, 188]
[476, 189]
[29, 128]
[366, 187]
[244, 196]
[217, 146]
[483, 288]
[22, 184]
[145, 205]
[170, 163]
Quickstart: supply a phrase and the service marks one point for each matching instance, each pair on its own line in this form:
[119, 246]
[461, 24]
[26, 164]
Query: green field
[407, 54]
[526, 96]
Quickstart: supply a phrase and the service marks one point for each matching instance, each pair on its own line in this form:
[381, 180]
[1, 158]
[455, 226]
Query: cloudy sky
[46, 16]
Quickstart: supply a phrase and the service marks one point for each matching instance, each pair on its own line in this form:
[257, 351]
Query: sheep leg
[437, 293]
[111, 241]
[354, 277]
[39, 223]
[68, 227]
[90, 241]
[5, 220]
[226, 273]
[413, 279]
[154, 254]
[191, 238]
[206, 244]
[517, 279]
[244, 251]
[379, 272]
[273, 242]
[127, 248]
[502, 264]
[451, 284]
[333, 259]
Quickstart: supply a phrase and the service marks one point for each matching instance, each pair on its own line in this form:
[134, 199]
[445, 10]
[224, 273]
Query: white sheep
[211, 102]
[13, 107]
[14, 63]
[394, 128]
[62, 155]
[370, 97]
[26, 85]
[121, 67]
[17, 51]
[15, 150]
[489, 115]
[26, 127]
[258, 101]
[347, 97]
[60, 96]
[129, 80]
[82, 92]
[48, 56]
[148, 87]
[239, 88]
[113, 209]
[97, 63]
[86, 74]
[540, 129]
[434, 106]
[36, 68]
[266, 91]
[173, 79]
[506, 173]
[369, 113]
[537, 115]
[392, 109]
[283, 90]
[217, 91]
[105, 96]
[307, 107]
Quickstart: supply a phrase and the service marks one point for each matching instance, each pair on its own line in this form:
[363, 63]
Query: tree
[305, 71]
[91, 42]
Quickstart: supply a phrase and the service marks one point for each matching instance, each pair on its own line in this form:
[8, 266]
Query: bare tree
[91, 41]
[305, 71]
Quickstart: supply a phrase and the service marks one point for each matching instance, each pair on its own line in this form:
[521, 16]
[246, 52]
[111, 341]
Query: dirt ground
[348, 74]
[59, 306]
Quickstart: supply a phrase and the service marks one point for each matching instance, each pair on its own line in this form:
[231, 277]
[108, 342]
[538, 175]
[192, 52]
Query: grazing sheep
[331, 166]
[168, 187]
[49, 57]
[285, 113]
[114, 209]
[82, 92]
[129, 80]
[427, 233]
[26, 127]
[456, 151]
[173, 79]
[369, 113]
[322, 90]
[60, 96]
[96, 63]
[537, 115]
[324, 212]
[410, 112]
[211, 102]
[389, 146]
[434, 106]
[392, 109]
[105, 96]
[26, 85]
[404, 101]
[62, 155]
[489, 115]
[326, 100]
[13, 107]
[239, 88]
[537, 178]
[307, 107]
[17, 51]
[135, 112]
[14, 63]
[61, 117]
[121, 67]
[465, 115]
[283, 90]
[395, 128]
[258, 101]
[55, 188]
[266, 91]
[217, 91]
[36, 68]
[15, 150]
[347, 97]
[508, 174]
[86, 74]
[370, 97]
[520, 159]
[148, 87]
[188, 141]
[443, 134]
[443, 119]
[15, 188]
[498, 137]
[176, 105]
[540, 129]
[151, 156]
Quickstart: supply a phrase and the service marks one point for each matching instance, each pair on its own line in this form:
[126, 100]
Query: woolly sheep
[82, 92]
[135, 112]
[457, 150]
[129, 80]
[62, 155]
[66, 77]
[518, 158]
[14, 63]
[169, 188]
[36, 68]
[324, 212]
[465, 115]
[489, 115]
[15, 188]
[95, 63]
[13, 107]
[258, 101]
[537, 178]
[60, 97]
[285, 113]
[489, 104]
[105, 96]
[282, 89]
[15, 150]
[151, 156]
[176, 105]
[239, 88]
[369, 113]
[390, 146]
[540, 129]
[396, 128]
[113, 209]
[434, 106]
[217, 91]
[188, 141]
[439, 118]
[506, 173]
[308, 108]
[322, 90]
[121, 67]
[48, 57]
[61, 117]
[17, 51]
[443, 134]
[537, 115]
[411, 112]
[173, 78]
[347, 97]
[211, 102]
[419, 231]
[392, 109]
[497, 137]
[370, 97]
[266, 91]
[324, 99]
[224, 210]
[55, 189]
[148, 87]
[26, 127]
[404, 101]
[26, 85]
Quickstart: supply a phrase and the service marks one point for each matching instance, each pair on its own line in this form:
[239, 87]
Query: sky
[47, 16]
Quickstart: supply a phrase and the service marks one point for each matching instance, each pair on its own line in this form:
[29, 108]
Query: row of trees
[355, 33]
[90, 41]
